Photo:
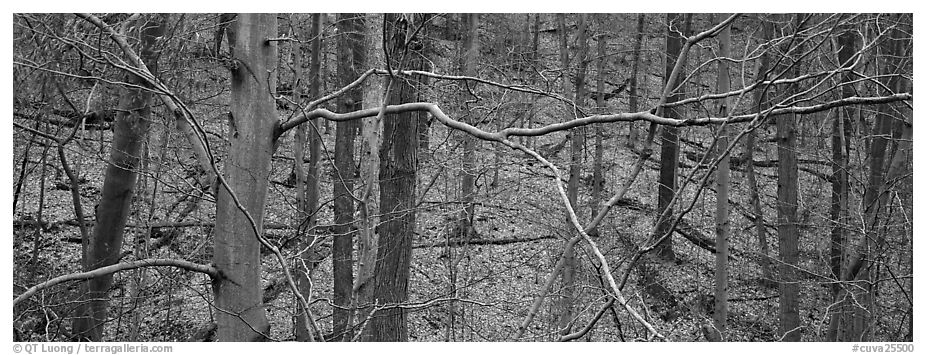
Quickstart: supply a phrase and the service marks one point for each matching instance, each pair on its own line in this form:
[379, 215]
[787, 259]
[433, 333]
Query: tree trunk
[632, 88]
[597, 173]
[369, 162]
[668, 156]
[310, 255]
[840, 139]
[468, 173]
[860, 313]
[351, 59]
[464, 230]
[567, 301]
[789, 317]
[427, 49]
[240, 314]
[754, 200]
[129, 133]
[534, 58]
[397, 174]
[722, 213]
[299, 137]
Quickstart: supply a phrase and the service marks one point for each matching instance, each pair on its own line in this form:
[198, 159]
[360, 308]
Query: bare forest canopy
[462, 177]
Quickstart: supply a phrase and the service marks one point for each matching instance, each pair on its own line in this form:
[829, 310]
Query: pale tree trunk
[397, 173]
[789, 317]
[632, 88]
[350, 56]
[240, 314]
[722, 213]
[668, 156]
[129, 132]
[310, 256]
[373, 90]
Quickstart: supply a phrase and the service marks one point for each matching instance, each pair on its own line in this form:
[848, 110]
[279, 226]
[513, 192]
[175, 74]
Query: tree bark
[310, 255]
[534, 58]
[567, 301]
[840, 139]
[129, 132]
[299, 137]
[789, 317]
[351, 59]
[754, 199]
[240, 315]
[668, 155]
[722, 213]
[632, 87]
[597, 173]
[468, 173]
[397, 175]
[860, 315]
[369, 162]
[427, 49]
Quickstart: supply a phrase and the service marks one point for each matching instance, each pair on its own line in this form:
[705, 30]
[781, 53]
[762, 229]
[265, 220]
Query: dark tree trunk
[789, 316]
[632, 88]
[668, 156]
[597, 173]
[351, 59]
[397, 174]
[310, 255]
[567, 301]
[840, 139]
[860, 312]
[754, 200]
[240, 314]
[129, 134]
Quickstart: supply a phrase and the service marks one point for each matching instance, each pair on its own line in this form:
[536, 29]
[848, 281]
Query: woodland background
[462, 177]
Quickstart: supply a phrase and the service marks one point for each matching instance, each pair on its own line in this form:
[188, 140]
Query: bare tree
[397, 173]
[788, 234]
[252, 121]
[722, 213]
[310, 254]
[350, 50]
[668, 156]
[129, 134]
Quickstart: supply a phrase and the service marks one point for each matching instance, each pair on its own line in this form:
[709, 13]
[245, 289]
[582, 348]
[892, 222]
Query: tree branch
[183, 116]
[183, 264]
[435, 111]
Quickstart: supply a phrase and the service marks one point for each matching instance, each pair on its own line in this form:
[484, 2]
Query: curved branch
[182, 264]
[435, 111]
